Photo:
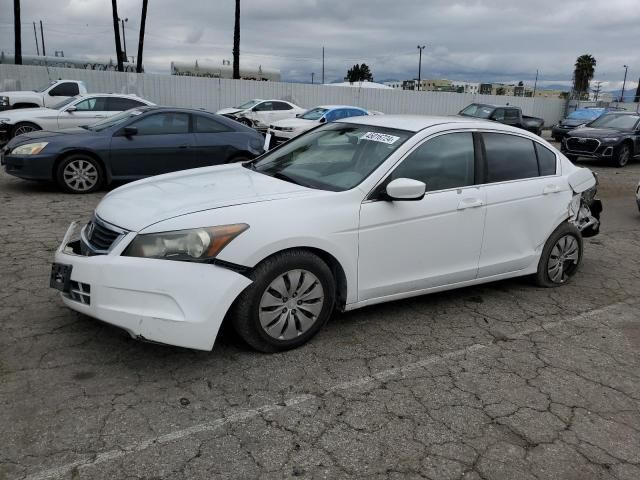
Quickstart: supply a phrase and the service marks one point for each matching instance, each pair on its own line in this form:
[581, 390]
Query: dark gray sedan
[134, 144]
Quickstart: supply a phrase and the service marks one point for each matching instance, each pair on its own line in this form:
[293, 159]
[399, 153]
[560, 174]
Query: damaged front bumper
[586, 210]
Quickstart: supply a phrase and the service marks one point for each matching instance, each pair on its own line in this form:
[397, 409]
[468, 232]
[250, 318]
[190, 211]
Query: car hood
[18, 93]
[296, 123]
[588, 132]
[48, 135]
[573, 122]
[229, 111]
[27, 112]
[146, 202]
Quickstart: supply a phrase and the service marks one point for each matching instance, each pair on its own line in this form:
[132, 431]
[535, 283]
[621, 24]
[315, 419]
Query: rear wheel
[291, 298]
[22, 128]
[79, 173]
[622, 155]
[560, 257]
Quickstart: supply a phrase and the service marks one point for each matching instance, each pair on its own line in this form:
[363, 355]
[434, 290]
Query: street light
[420, 48]
[626, 68]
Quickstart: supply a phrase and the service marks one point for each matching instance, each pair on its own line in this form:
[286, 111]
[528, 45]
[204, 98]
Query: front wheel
[291, 298]
[23, 127]
[560, 257]
[79, 173]
[622, 155]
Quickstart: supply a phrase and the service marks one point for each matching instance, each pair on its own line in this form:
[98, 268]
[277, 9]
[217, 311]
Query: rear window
[546, 160]
[509, 157]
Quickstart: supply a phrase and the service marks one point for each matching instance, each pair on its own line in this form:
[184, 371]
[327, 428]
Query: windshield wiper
[287, 178]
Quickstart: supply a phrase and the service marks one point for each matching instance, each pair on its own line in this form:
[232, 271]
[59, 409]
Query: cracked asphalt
[500, 381]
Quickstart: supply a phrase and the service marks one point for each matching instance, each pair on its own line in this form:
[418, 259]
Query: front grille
[588, 145]
[99, 237]
[80, 292]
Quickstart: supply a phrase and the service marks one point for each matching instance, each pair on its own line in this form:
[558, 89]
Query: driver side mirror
[298, 115]
[129, 131]
[71, 109]
[405, 189]
[323, 120]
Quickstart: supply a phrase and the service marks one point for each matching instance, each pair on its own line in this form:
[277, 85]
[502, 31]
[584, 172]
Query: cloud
[475, 40]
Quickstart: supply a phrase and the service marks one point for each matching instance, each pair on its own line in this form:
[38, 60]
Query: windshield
[479, 111]
[335, 157]
[248, 104]
[314, 114]
[590, 114]
[42, 88]
[115, 119]
[623, 122]
[63, 103]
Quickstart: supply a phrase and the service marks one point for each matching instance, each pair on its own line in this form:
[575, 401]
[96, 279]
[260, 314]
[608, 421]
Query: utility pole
[124, 38]
[17, 32]
[535, 84]
[312, 74]
[637, 99]
[323, 65]
[116, 32]
[236, 43]
[420, 48]
[44, 51]
[141, 36]
[35, 34]
[624, 82]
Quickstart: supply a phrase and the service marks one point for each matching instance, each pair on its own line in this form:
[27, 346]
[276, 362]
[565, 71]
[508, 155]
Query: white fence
[213, 94]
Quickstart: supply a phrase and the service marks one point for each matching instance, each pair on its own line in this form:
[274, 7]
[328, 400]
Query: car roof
[334, 107]
[415, 123]
[493, 105]
[119, 95]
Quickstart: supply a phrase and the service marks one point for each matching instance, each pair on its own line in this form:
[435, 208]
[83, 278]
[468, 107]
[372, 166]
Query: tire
[564, 249]
[23, 127]
[246, 122]
[271, 322]
[622, 155]
[79, 173]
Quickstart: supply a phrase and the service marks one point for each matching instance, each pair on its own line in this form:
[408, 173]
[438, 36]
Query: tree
[583, 74]
[143, 22]
[116, 31]
[17, 32]
[236, 43]
[359, 73]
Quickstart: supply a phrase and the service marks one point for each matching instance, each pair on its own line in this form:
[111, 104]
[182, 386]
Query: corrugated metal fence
[213, 94]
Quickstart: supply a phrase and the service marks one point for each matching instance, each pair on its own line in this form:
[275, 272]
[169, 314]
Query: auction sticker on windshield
[380, 137]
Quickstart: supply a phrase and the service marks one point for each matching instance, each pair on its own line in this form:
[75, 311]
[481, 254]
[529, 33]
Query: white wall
[212, 94]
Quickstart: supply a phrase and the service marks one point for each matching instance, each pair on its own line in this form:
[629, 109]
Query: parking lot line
[381, 376]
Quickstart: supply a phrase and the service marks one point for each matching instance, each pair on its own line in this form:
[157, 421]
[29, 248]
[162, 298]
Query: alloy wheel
[22, 129]
[291, 304]
[563, 259]
[80, 175]
[623, 157]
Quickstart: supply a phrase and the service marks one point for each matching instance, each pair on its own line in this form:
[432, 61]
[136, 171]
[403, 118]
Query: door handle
[550, 189]
[470, 203]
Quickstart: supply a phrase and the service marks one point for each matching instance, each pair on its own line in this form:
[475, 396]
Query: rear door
[526, 200]
[120, 104]
[85, 112]
[281, 110]
[213, 141]
[162, 144]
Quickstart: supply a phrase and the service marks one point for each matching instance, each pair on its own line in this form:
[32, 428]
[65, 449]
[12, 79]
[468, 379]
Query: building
[224, 70]
[393, 84]
[410, 84]
[466, 87]
[436, 85]
[550, 93]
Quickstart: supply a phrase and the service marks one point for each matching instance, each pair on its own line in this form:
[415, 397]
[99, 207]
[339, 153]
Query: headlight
[4, 101]
[610, 139]
[29, 148]
[197, 244]
[4, 119]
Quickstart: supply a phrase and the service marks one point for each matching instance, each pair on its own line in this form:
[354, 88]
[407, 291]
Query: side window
[498, 114]
[446, 161]
[546, 160]
[264, 107]
[87, 105]
[202, 124]
[66, 89]
[511, 114]
[118, 104]
[356, 113]
[281, 106]
[509, 157]
[163, 123]
[332, 116]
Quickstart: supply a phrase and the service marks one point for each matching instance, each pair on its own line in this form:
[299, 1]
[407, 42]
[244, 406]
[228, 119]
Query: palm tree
[583, 74]
[143, 21]
[236, 43]
[18, 32]
[116, 30]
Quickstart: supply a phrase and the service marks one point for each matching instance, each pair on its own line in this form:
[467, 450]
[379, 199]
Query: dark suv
[614, 137]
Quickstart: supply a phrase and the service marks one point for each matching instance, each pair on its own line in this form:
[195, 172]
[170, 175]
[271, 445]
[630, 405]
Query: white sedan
[72, 112]
[356, 212]
[259, 114]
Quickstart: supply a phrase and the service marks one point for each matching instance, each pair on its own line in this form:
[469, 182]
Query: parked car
[133, 144]
[284, 130]
[638, 195]
[614, 137]
[353, 213]
[47, 95]
[578, 118]
[506, 114]
[259, 114]
[73, 112]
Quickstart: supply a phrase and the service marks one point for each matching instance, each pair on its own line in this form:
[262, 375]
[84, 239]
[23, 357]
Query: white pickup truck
[46, 96]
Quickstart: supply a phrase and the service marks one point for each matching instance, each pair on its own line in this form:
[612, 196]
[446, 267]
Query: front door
[162, 144]
[86, 112]
[409, 246]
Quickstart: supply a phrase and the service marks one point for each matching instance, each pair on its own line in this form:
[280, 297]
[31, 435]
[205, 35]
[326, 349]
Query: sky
[473, 40]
